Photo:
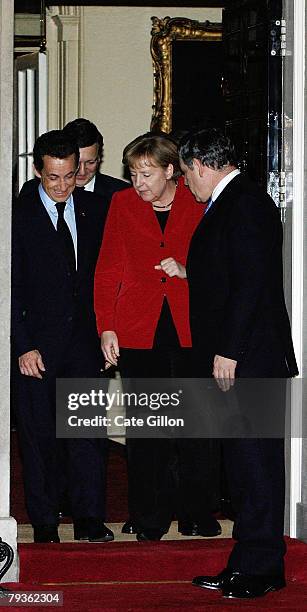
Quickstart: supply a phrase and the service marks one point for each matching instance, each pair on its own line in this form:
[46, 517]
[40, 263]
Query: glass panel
[30, 109]
[22, 171]
[22, 122]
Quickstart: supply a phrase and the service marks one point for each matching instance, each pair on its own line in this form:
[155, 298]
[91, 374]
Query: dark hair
[158, 147]
[85, 133]
[56, 144]
[210, 146]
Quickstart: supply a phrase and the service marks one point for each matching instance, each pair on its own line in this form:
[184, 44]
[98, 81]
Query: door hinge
[278, 37]
[276, 188]
[282, 189]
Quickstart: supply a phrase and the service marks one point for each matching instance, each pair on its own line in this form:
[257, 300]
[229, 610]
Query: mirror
[187, 65]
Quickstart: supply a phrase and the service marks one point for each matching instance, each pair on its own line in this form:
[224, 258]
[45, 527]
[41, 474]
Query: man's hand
[109, 347]
[224, 372]
[171, 267]
[31, 364]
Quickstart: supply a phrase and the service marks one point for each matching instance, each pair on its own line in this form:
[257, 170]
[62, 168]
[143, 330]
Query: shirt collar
[223, 182]
[90, 185]
[49, 203]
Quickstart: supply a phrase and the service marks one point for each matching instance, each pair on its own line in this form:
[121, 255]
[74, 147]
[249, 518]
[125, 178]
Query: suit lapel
[147, 218]
[42, 226]
[177, 213]
[224, 197]
[222, 200]
[99, 186]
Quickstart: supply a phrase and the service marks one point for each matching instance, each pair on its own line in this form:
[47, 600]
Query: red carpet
[136, 576]
[130, 577]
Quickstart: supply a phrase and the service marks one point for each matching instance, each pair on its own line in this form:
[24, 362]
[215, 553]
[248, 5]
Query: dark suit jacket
[104, 186]
[107, 185]
[234, 269]
[47, 301]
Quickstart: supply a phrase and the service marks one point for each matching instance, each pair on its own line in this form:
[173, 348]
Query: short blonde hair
[158, 148]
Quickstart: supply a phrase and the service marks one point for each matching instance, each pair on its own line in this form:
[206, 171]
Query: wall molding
[64, 53]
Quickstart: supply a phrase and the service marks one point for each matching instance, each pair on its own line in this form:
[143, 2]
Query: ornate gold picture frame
[164, 32]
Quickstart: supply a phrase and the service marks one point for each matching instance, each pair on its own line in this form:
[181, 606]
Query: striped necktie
[209, 204]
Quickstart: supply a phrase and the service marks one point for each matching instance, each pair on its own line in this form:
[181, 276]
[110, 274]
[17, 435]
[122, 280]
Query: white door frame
[8, 526]
[297, 253]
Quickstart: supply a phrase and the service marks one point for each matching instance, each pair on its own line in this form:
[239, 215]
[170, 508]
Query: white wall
[117, 75]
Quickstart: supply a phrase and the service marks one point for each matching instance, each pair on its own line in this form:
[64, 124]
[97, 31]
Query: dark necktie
[65, 237]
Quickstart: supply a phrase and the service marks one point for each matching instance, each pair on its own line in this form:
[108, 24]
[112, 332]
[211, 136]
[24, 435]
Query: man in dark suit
[56, 238]
[240, 328]
[90, 143]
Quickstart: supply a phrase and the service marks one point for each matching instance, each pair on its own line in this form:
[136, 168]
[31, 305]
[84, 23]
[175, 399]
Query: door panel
[30, 110]
[252, 85]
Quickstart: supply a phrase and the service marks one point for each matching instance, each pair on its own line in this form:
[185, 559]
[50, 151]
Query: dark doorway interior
[236, 83]
[196, 84]
[253, 82]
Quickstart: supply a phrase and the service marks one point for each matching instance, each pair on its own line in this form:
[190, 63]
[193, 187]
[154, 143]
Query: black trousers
[78, 356]
[255, 465]
[168, 476]
[255, 469]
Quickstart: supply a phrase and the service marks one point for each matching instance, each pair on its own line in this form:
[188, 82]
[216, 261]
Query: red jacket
[128, 290]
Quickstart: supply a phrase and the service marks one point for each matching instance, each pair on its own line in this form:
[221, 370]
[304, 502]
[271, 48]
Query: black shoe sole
[100, 540]
[141, 537]
[211, 588]
[85, 538]
[270, 589]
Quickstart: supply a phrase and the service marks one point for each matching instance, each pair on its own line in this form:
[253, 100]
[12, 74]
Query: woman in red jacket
[142, 311]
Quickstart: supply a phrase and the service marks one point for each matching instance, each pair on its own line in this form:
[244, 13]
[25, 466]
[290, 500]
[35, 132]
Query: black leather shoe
[129, 527]
[81, 529]
[148, 535]
[240, 586]
[208, 529]
[92, 530]
[44, 534]
[213, 582]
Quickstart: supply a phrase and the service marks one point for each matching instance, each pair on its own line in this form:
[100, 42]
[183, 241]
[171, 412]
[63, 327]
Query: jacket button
[162, 244]
[163, 279]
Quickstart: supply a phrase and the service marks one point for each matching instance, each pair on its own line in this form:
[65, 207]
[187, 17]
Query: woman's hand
[109, 346]
[171, 267]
